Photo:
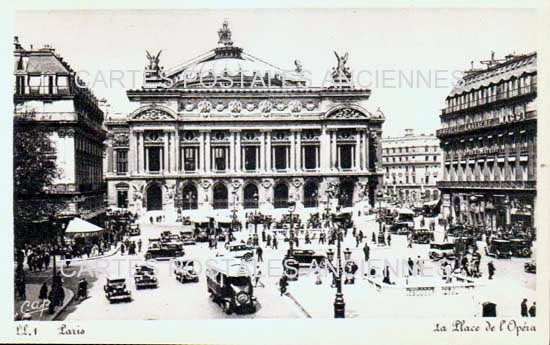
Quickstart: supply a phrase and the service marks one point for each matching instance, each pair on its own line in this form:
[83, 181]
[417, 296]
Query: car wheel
[148, 257]
[526, 252]
[226, 308]
[247, 257]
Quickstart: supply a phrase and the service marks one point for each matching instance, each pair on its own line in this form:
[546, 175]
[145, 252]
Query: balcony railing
[531, 184]
[44, 91]
[485, 124]
[522, 91]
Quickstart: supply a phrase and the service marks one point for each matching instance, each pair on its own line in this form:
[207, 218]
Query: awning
[405, 211]
[224, 219]
[79, 226]
[199, 219]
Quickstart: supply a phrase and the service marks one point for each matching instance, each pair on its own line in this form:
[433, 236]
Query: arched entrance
[346, 193]
[189, 197]
[220, 196]
[310, 194]
[154, 197]
[250, 196]
[280, 196]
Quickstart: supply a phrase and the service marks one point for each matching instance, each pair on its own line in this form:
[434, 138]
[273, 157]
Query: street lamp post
[289, 261]
[379, 196]
[339, 303]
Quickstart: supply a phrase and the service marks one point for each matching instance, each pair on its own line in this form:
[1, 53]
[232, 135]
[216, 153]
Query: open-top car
[400, 228]
[305, 257]
[116, 290]
[441, 250]
[145, 277]
[521, 247]
[184, 270]
[239, 251]
[499, 249]
[187, 237]
[134, 230]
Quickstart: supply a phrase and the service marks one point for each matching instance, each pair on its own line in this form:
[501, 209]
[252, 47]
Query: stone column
[268, 149]
[293, 150]
[202, 151]
[262, 151]
[324, 146]
[333, 149]
[139, 155]
[207, 152]
[299, 166]
[174, 154]
[231, 165]
[366, 150]
[166, 150]
[132, 157]
[238, 151]
[357, 163]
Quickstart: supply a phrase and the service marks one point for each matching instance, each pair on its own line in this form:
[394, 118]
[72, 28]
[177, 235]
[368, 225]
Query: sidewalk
[39, 309]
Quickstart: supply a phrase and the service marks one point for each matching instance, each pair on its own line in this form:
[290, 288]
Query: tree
[34, 170]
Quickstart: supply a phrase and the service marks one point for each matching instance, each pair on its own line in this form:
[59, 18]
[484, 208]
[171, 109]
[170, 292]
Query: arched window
[280, 195]
[250, 196]
[346, 194]
[310, 194]
[220, 196]
[154, 197]
[189, 197]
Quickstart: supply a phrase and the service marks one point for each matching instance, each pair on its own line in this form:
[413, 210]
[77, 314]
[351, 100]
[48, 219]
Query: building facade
[412, 165]
[228, 130]
[47, 89]
[488, 138]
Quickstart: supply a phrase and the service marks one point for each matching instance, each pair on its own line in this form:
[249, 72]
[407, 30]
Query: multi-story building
[489, 138]
[46, 88]
[230, 130]
[412, 165]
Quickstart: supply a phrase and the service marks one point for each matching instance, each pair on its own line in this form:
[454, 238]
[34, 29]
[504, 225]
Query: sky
[409, 58]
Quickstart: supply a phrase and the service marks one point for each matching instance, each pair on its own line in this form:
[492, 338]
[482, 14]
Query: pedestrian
[43, 292]
[524, 308]
[274, 242]
[283, 283]
[491, 268]
[389, 239]
[268, 240]
[366, 251]
[386, 279]
[257, 277]
[411, 266]
[410, 244]
[357, 241]
[445, 236]
[139, 245]
[122, 248]
[259, 252]
[151, 219]
[308, 240]
[373, 238]
[418, 265]
[533, 310]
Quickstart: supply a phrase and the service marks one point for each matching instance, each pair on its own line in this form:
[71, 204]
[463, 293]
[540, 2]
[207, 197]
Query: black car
[306, 256]
[164, 251]
[115, 290]
[521, 247]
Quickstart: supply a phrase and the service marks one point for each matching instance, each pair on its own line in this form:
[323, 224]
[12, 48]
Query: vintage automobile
[238, 251]
[145, 277]
[521, 247]
[400, 228]
[202, 236]
[184, 270]
[188, 237]
[115, 290]
[499, 249]
[134, 230]
[164, 251]
[305, 257]
[441, 250]
[530, 267]
[422, 236]
[230, 285]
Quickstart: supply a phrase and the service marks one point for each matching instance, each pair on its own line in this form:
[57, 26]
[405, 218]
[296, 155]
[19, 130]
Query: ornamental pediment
[152, 114]
[347, 113]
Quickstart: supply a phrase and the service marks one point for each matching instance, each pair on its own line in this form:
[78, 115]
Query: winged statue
[153, 60]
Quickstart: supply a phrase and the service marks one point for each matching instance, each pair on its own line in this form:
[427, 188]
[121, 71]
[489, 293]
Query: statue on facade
[225, 35]
[299, 68]
[341, 72]
[153, 61]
